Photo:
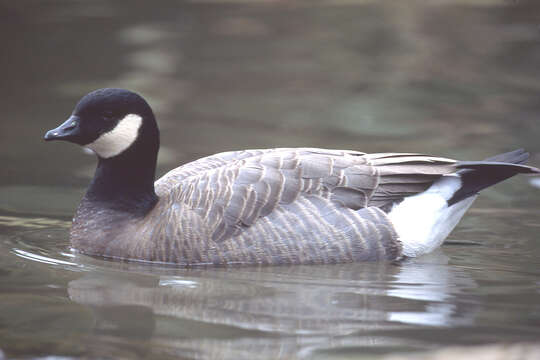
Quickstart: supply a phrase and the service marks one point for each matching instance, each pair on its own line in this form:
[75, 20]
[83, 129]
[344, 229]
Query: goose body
[267, 206]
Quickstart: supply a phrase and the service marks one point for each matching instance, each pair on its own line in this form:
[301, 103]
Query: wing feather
[232, 190]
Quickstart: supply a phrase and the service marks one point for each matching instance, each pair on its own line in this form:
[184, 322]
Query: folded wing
[231, 191]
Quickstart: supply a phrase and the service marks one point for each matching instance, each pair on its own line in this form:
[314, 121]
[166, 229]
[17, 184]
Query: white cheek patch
[118, 139]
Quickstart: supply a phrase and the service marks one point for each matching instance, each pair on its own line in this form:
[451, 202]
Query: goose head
[111, 122]
[120, 128]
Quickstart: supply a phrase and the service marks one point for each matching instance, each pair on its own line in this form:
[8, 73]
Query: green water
[454, 78]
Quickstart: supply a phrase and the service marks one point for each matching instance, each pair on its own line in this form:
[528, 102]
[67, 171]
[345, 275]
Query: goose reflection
[275, 312]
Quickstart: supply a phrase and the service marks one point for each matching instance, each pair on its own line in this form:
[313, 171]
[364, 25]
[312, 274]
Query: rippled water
[452, 78]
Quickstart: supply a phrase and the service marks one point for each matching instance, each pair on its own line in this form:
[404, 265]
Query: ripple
[36, 223]
[40, 258]
[38, 239]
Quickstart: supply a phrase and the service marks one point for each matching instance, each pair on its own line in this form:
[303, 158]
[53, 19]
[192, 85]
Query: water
[454, 78]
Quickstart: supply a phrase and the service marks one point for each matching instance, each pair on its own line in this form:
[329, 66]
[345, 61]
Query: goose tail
[423, 221]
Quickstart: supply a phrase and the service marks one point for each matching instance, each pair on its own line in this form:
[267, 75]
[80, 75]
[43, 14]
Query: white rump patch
[119, 138]
[423, 221]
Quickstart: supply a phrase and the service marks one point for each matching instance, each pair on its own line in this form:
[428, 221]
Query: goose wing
[230, 191]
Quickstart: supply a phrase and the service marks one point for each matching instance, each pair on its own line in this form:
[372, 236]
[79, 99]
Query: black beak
[69, 130]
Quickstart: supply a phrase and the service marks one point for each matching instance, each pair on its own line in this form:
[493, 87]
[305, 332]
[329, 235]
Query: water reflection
[431, 281]
[290, 310]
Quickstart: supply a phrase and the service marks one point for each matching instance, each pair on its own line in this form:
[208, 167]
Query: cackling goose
[272, 206]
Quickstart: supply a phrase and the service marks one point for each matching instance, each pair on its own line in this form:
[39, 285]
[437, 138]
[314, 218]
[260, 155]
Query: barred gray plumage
[274, 206]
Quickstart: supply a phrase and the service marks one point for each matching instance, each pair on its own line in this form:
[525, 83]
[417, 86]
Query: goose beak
[68, 131]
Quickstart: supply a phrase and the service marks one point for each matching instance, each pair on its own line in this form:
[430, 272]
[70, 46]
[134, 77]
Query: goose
[264, 206]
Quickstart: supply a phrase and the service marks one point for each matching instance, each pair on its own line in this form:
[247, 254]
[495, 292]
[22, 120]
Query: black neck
[125, 182]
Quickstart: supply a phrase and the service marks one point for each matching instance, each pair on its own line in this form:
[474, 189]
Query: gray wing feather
[232, 190]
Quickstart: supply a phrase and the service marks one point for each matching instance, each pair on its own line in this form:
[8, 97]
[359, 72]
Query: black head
[110, 121]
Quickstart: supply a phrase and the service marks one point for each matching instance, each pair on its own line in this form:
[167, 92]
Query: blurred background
[454, 78]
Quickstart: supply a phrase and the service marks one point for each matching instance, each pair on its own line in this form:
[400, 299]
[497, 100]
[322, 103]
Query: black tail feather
[478, 175]
[519, 156]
